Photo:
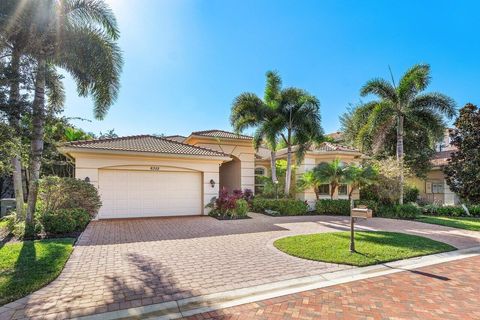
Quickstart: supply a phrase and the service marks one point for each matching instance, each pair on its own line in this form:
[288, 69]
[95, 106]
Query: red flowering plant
[225, 205]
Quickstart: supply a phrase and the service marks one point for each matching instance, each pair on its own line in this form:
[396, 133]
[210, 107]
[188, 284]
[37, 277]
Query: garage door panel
[146, 194]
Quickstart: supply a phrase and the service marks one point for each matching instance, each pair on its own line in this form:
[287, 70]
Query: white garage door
[129, 194]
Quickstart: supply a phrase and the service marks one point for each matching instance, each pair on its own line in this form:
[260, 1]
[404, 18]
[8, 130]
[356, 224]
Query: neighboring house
[145, 175]
[434, 188]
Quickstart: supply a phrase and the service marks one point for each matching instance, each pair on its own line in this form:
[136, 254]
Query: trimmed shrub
[474, 210]
[241, 207]
[411, 194]
[64, 221]
[452, 211]
[405, 211]
[57, 193]
[289, 207]
[338, 207]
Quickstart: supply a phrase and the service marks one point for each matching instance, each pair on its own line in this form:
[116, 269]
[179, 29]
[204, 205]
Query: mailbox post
[361, 212]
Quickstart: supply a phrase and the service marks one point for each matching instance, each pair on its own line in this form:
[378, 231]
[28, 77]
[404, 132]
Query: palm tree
[290, 114]
[248, 110]
[332, 173]
[78, 36]
[309, 180]
[400, 103]
[358, 176]
[299, 115]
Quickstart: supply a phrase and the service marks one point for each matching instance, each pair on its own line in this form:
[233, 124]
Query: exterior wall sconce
[212, 183]
[87, 179]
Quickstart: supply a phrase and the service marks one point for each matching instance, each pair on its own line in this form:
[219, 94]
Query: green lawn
[454, 222]
[27, 266]
[372, 247]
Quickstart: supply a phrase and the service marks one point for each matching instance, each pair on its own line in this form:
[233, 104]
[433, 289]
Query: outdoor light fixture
[87, 179]
[212, 183]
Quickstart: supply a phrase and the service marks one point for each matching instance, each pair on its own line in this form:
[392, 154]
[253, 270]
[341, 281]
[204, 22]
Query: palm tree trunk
[288, 174]
[14, 99]
[400, 155]
[38, 123]
[273, 165]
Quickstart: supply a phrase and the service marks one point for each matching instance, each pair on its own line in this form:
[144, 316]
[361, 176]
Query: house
[434, 188]
[145, 175]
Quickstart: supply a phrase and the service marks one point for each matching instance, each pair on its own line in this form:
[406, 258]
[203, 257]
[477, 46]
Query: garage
[134, 193]
[147, 176]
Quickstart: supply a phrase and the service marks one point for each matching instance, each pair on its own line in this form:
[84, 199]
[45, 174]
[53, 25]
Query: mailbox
[361, 212]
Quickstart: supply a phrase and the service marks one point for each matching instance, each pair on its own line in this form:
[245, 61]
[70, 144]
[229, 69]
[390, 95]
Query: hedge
[338, 207]
[288, 207]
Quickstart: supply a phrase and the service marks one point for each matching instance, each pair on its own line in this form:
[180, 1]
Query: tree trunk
[14, 100]
[38, 123]
[288, 174]
[273, 164]
[400, 155]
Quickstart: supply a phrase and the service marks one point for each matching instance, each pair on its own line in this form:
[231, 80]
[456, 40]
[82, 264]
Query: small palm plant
[332, 173]
[357, 177]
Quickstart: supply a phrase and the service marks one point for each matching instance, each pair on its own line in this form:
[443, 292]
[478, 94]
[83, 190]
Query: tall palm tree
[332, 173]
[291, 115]
[248, 110]
[400, 103]
[78, 36]
[359, 176]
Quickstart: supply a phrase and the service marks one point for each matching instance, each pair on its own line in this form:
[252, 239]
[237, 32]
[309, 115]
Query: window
[437, 187]
[259, 173]
[324, 189]
[342, 190]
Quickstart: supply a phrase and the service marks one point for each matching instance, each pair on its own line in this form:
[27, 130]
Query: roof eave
[69, 151]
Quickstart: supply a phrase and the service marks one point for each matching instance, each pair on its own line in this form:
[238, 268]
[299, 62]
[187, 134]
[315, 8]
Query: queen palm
[78, 36]
[402, 103]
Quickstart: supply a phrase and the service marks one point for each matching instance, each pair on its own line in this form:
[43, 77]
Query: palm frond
[54, 89]
[435, 102]
[415, 80]
[247, 110]
[81, 12]
[381, 88]
[95, 62]
[273, 89]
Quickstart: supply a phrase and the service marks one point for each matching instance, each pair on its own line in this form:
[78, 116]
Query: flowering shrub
[226, 205]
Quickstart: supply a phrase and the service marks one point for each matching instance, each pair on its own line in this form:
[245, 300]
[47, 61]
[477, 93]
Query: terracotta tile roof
[329, 146]
[322, 147]
[336, 136]
[441, 158]
[176, 138]
[221, 134]
[144, 143]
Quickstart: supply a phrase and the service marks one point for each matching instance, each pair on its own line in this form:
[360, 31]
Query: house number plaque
[155, 168]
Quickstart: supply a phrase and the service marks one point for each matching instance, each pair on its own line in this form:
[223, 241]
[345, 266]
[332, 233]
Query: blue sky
[185, 61]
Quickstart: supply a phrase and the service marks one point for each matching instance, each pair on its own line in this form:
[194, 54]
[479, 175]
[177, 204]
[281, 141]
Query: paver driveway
[444, 291]
[119, 264]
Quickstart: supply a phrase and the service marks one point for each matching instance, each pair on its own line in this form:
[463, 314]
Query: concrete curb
[200, 304]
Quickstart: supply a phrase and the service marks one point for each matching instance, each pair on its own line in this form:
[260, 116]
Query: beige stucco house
[145, 176]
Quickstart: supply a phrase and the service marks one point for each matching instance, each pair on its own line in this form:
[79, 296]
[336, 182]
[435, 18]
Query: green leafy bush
[405, 211]
[334, 207]
[289, 207]
[474, 210]
[57, 193]
[64, 221]
[241, 208]
[411, 194]
[18, 229]
[450, 211]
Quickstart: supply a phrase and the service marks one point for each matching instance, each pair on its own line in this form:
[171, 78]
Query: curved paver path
[120, 264]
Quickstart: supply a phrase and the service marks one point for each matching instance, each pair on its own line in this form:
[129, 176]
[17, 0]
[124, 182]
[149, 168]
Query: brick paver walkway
[120, 264]
[444, 291]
